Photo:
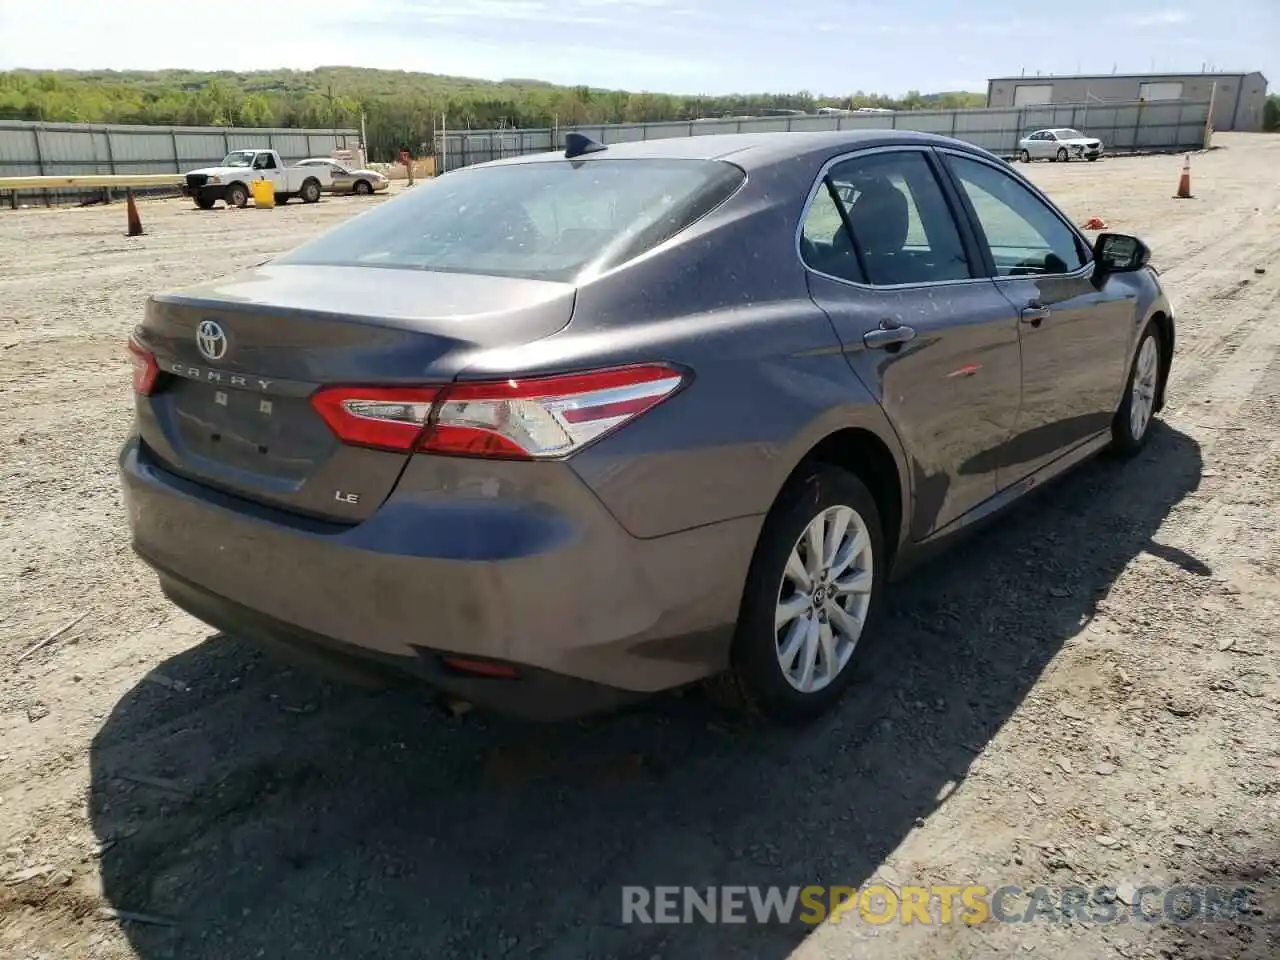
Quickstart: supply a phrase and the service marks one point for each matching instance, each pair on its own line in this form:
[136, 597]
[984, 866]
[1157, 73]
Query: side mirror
[1120, 253]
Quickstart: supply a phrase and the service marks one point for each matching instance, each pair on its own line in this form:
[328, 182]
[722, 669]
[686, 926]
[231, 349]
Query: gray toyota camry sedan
[561, 431]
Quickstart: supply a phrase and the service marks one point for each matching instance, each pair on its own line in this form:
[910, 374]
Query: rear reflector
[480, 668]
[145, 368]
[535, 418]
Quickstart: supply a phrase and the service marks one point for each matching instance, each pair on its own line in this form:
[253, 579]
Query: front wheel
[1062, 155]
[310, 191]
[237, 196]
[1092, 159]
[1132, 421]
[363, 188]
[204, 203]
[811, 597]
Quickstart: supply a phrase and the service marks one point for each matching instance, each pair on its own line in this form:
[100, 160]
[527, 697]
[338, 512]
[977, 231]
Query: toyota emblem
[211, 340]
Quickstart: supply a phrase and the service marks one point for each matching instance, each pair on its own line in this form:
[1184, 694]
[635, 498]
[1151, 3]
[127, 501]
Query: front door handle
[1035, 314]
[887, 336]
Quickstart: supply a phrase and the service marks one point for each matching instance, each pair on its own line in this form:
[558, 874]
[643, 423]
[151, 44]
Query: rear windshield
[542, 221]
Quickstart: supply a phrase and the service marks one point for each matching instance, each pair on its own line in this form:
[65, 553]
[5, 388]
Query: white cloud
[1159, 18]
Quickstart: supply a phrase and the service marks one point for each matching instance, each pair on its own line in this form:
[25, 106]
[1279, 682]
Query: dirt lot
[1086, 694]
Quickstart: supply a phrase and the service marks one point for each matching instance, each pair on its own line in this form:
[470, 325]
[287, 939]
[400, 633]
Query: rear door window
[897, 224]
[822, 240]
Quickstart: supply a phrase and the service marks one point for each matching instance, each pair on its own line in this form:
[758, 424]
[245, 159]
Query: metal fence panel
[656, 131]
[128, 149]
[801, 124]
[197, 149]
[712, 127]
[292, 146]
[249, 140]
[18, 147]
[1122, 127]
[50, 149]
[541, 139]
[625, 133]
[323, 142]
[61, 146]
[927, 122]
[869, 121]
[53, 148]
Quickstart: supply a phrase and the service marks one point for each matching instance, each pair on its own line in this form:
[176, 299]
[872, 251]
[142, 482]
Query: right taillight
[526, 419]
[145, 368]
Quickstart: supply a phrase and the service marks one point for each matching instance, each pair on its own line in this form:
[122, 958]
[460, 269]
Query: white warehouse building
[1238, 98]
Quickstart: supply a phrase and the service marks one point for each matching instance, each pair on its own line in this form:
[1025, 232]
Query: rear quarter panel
[727, 300]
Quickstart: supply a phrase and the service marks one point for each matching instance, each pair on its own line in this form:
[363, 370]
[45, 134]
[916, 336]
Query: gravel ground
[1085, 694]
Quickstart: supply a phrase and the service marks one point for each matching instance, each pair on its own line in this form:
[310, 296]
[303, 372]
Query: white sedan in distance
[1058, 144]
[362, 182]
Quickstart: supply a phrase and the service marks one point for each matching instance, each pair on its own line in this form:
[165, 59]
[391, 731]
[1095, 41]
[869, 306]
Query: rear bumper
[534, 694]
[544, 579]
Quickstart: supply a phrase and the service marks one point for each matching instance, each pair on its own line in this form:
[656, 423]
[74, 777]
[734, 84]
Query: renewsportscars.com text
[936, 904]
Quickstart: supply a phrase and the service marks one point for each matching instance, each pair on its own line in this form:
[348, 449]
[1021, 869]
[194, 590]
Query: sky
[832, 47]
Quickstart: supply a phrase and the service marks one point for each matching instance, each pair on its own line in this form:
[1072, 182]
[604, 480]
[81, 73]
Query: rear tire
[795, 651]
[310, 191]
[1026, 156]
[1132, 423]
[237, 195]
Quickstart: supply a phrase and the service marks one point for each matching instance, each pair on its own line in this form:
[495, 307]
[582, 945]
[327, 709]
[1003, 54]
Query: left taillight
[528, 419]
[145, 369]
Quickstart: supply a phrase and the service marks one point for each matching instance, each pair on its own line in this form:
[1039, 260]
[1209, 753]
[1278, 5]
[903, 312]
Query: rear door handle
[1035, 314]
[887, 336]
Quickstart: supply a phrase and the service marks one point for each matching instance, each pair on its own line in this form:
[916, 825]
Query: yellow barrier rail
[121, 180]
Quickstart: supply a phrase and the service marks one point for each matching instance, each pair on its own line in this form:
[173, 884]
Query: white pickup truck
[229, 181]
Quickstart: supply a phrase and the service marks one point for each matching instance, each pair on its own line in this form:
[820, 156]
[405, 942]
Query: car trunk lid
[240, 357]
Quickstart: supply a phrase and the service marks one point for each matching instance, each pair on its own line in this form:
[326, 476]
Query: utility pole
[333, 115]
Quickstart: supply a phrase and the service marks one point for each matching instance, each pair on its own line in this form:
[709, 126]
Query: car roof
[752, 150]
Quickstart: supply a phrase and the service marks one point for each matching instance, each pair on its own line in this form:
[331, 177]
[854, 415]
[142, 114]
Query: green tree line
[1271, 113]
[400, 108]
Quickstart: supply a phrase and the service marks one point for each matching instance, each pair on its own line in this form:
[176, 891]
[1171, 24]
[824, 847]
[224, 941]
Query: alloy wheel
[824, 598]
[1143, 388]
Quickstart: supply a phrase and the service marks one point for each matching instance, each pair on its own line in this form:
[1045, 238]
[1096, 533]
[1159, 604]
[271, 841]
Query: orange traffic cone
[135, 221]
[1184, 182]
